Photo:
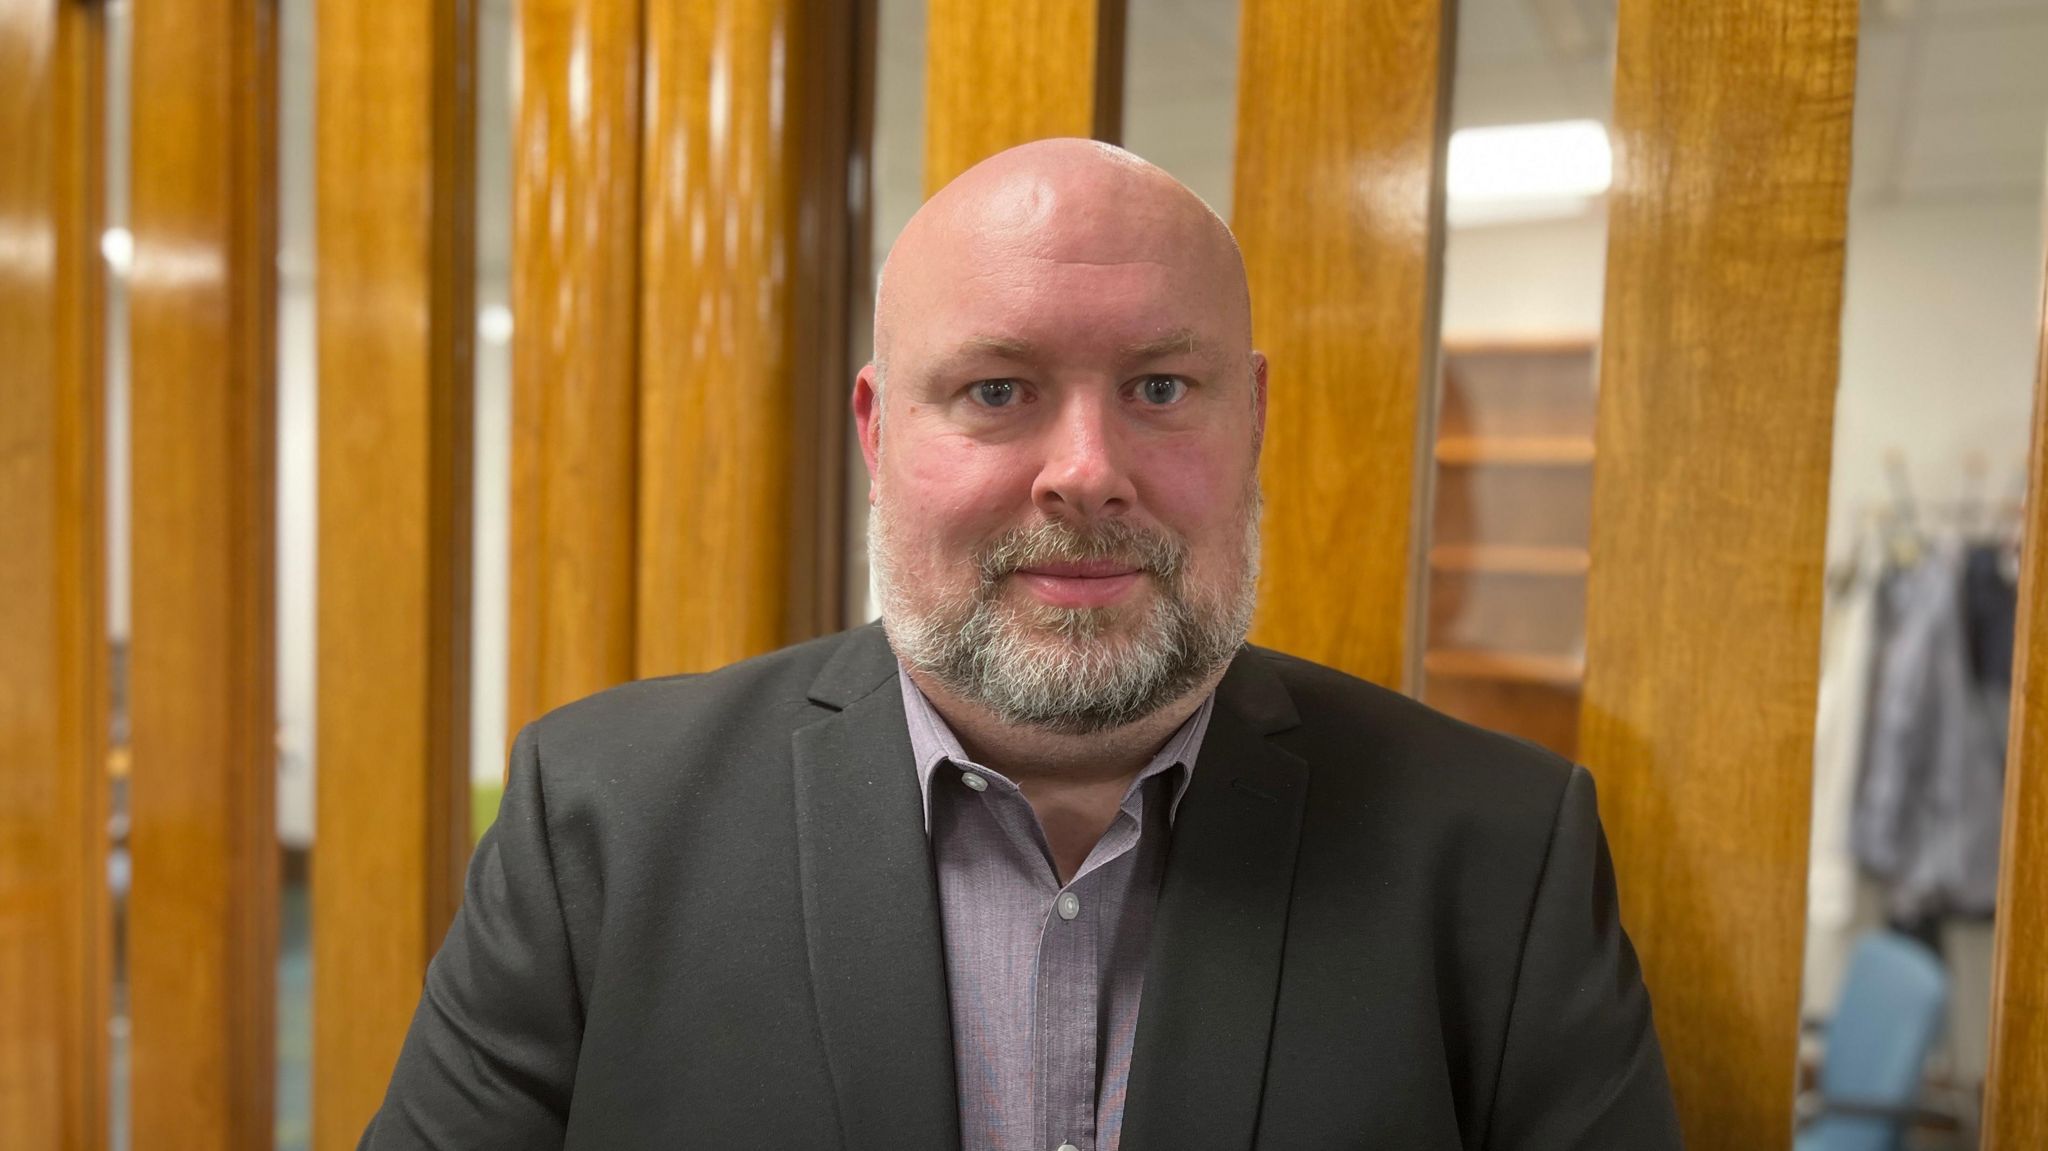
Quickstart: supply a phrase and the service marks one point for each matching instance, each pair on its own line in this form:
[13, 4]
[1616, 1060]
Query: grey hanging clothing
[1933, 779]
[1991, 605]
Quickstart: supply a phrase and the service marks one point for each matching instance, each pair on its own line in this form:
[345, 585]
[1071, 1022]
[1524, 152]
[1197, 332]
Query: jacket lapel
[871, 912]
[1198, 1063]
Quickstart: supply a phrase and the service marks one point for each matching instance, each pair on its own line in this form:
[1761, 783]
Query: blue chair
[1885, 1023]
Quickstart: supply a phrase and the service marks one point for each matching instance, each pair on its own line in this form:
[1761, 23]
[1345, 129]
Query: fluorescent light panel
[1527, 171]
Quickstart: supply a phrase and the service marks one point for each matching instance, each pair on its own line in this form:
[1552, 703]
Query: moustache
[1053, 541]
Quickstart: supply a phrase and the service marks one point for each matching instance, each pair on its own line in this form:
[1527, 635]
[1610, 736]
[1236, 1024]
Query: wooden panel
[743, 332]
[1546, 712]
[54, 974]
[1534, 612]
[999, 73]
[1344, 276]
[2016, 1086]
[1724, 291]
[575, 349]
[396, 201]
[1515, 507]
[1540, 388]
[202, 920]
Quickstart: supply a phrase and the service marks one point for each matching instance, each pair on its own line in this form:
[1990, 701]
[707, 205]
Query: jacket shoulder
[752, 702]
[1361, 734]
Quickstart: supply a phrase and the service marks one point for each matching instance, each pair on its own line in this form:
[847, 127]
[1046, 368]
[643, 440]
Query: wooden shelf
[1505, 666]
[1522, 451]
[1554, 344]
[1509, 559]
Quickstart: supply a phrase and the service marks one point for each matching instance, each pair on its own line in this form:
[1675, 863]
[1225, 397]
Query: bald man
[1051, 860]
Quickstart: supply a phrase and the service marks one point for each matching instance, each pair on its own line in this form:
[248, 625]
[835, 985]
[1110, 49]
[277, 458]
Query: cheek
[950, 492]
[1198, 491]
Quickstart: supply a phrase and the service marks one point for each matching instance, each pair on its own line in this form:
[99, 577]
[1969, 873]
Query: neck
[1031, 754]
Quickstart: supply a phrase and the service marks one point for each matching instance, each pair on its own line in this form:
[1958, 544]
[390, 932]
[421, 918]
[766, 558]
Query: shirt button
[1068, 1147]
[1068, 904]
[973, 781]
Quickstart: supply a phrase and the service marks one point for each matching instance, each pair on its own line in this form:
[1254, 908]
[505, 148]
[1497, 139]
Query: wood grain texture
[396, 193]
[1716, 407]
[999, 73]
[202, 919]
[1339, 160]
[743, 264]
[54, 691]
[2016, 1085]
[575, 348]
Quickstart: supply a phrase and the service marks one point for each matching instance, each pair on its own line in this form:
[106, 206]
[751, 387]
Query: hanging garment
[1927, 801]
[1991, 607]
[1848, 639]
[1848, 646]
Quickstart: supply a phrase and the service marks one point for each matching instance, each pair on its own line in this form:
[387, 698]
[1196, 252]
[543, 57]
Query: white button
[1068, 1147]
[974, 781]
[1068, 905]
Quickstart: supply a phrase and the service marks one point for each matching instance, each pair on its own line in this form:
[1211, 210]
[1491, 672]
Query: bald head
[1051, 204]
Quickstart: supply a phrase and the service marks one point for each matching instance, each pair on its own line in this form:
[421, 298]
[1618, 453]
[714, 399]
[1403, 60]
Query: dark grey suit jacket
[706, 917]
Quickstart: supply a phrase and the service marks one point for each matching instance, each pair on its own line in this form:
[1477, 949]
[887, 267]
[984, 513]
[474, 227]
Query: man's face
[1064, 457]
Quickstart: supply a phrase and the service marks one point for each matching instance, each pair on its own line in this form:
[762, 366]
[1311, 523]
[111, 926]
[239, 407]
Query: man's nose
[1085, 474]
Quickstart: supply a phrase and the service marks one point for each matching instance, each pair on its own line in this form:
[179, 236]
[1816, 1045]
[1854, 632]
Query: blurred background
[1654, 385]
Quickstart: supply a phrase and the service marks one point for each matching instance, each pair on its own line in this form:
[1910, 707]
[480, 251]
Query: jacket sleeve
[1581, 1067]
[491, 1054]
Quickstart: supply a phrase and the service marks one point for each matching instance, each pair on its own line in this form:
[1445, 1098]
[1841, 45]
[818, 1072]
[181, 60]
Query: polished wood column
[1004, 72]
[742, 373]
[576, 352]
[2016, 1086]
[202, 920]
[1340, 140]
[54, 975]
[396, 134]
[1716, 414]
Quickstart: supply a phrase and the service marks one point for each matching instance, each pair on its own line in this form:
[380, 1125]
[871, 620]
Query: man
[1050, 860]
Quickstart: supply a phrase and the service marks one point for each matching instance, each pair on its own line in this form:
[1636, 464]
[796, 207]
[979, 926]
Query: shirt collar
[933, 743]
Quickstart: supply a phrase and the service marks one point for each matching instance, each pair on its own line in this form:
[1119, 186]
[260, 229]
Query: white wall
[1940, 334]
[298, 401]
[1533, 279]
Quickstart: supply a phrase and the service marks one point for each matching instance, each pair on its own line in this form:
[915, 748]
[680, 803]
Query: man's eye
[995, 393]
[1162, 390]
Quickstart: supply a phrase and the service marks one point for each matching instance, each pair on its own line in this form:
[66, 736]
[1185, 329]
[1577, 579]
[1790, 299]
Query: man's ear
[1258, 404]
[867, 419]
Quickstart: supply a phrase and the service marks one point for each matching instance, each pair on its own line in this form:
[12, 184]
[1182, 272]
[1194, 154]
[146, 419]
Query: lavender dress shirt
[1044, 979]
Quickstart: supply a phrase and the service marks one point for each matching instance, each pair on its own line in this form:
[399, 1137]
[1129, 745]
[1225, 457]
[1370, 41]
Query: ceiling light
[117, 245]
[1527, 171]
[494, 324]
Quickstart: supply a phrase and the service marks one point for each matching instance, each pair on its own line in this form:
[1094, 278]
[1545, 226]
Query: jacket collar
[1198, 1064]
[871, 908]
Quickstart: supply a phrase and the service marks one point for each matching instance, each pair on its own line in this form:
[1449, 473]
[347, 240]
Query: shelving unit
[1505, 646]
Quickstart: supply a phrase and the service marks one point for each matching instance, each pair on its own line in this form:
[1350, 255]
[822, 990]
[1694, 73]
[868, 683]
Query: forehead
[1079, 281]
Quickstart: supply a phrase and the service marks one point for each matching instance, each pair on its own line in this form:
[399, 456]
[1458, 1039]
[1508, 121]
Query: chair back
[1885, 1023]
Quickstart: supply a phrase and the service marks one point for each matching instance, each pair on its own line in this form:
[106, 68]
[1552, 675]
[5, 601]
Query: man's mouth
[1087, 584]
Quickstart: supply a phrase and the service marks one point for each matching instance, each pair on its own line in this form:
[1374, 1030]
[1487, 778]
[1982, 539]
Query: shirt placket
[1060, 1093]
[1068, 998]
[1069, 988]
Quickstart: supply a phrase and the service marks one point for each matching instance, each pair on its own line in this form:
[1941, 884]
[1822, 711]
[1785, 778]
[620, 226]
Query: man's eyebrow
[1007, 347]
[1179, 340]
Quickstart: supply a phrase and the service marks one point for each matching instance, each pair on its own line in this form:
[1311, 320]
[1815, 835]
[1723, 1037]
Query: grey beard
[1054, 668]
